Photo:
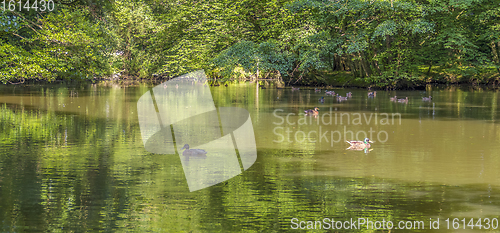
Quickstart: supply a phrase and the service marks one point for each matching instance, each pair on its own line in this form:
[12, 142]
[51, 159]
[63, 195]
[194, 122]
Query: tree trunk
[359, 68]
[351, 65]
[364, 64]
[494, 51]
[375, 63]
[331, 61]
[388, 48]
[257, 77]
[498, 51]
[399, 59]
[343, 64]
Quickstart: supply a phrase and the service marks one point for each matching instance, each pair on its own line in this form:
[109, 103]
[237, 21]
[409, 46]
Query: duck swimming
[192, 152]
[332, 93]
[341, 98]
[311, 112]
[403, 100]
[394, 98]
[359, 145]
[322, 99]
[427, 99]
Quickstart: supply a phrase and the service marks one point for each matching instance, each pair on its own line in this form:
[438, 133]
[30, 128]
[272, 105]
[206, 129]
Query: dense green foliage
[391, 43]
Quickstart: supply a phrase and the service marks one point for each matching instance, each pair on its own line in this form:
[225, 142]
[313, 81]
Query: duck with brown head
[311, 112]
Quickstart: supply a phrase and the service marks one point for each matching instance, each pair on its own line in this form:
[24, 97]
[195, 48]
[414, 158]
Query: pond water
[72, 159]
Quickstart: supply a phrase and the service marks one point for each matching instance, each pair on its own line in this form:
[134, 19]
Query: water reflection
[72, 159]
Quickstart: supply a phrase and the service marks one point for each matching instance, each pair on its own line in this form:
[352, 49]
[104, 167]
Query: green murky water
[72, 159]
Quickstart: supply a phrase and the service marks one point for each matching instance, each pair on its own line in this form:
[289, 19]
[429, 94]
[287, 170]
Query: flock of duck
[315, 112]
[354, 145]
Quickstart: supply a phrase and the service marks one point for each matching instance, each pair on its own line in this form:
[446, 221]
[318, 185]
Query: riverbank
[337, 79]
[263, 83]
[346, 79]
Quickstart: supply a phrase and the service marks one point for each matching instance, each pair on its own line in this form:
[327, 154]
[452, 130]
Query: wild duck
[317, 90]
[192, 152]
[311, 112]
[427, 99]
[359, 145]
[332, 93]
[341, 98]
[372, 94]
[394, 98]
[295, 89]
[403, 100]
[348, 94]
[322, 99]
